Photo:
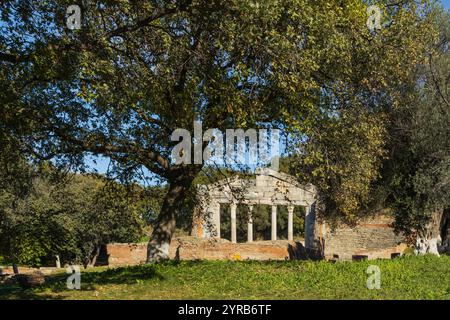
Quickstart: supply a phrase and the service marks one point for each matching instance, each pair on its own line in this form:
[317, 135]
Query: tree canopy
[137, 70]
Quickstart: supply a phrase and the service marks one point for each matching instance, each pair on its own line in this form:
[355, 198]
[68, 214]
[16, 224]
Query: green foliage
[341, 145]
[426, 277]
[416, 178]
[343, 160]
[70, 216]
[119, 87]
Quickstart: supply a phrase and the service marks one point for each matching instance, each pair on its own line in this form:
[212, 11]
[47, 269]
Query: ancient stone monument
[373, 237]
[269, 188]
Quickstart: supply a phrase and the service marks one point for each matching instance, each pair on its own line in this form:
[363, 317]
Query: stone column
[290, 223]
[216, 218]
[307, 226]
[58, 262]
[250, 224]
[233, 223]
[274, 223]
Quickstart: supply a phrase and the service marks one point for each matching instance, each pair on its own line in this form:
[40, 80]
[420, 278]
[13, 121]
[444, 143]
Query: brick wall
[191, 248]
[126, 253]
[372, 237]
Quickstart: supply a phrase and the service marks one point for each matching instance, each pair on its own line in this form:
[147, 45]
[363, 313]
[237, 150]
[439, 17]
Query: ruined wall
[119, 254]
[8, 270]
[191, 248]
[374, 238]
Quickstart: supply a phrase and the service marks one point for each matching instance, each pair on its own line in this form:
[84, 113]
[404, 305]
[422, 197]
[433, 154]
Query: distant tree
[70, 217]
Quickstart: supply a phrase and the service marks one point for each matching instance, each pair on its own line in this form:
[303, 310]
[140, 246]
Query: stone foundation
[8, 270]
[191, 248]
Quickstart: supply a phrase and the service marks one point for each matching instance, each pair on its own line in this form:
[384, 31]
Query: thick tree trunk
[445, 234]
[429, 239]
[94, 257]
[158, 246]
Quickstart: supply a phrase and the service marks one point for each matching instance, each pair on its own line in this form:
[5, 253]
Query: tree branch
[7, 57]
[151, 159]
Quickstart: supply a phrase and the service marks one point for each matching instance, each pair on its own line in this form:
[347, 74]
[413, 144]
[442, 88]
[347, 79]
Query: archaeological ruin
[269, 188]
[372, 238]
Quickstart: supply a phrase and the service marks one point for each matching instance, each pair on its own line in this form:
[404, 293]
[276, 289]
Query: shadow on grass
[122, 275]
[89, 279]
[15, 292]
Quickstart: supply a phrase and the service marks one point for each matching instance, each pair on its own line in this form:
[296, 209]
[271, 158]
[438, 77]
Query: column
[217, 219]
[307, 226]
[274, 223]
[233, 223]
[290, 223]
[250, 224]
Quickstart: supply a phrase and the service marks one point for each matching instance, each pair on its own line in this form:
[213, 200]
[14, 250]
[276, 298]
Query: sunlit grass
[426, 277]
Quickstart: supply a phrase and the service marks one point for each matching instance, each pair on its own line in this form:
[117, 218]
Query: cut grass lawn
[426, 277]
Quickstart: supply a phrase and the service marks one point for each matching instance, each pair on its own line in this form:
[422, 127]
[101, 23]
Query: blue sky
[446, 3]
[102, 163]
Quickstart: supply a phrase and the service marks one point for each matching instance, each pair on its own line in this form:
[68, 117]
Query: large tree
[416, 177]
[137, 70]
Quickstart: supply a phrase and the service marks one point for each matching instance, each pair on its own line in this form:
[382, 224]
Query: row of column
[233, 208]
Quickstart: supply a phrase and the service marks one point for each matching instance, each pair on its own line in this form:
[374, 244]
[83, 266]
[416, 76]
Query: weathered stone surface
[8, 270]
[268, 188]
[126, 253]
[187, 249]
[191, 248]
[372, 237]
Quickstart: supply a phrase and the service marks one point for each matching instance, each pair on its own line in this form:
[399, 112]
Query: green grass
[426, 277]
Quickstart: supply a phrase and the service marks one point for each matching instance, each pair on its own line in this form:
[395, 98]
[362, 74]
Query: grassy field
[426, 277]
